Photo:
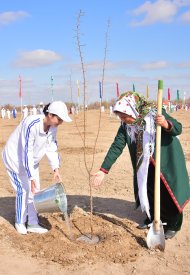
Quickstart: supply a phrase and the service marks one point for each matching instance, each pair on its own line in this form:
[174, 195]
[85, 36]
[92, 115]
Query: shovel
[155, 237]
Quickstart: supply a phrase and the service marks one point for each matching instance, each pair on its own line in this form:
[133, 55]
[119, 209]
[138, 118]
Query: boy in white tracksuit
[33, 138]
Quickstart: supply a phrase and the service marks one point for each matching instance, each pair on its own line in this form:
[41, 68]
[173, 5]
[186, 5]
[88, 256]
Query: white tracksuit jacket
[28, 144]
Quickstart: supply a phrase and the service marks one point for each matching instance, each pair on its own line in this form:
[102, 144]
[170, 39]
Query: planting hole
[89, 239]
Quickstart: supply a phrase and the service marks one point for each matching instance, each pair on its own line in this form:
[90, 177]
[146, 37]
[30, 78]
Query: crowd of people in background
[7, 113]
[33, 110]
[175, 107]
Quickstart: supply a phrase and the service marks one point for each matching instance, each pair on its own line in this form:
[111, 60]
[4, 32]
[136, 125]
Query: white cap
[60, 109]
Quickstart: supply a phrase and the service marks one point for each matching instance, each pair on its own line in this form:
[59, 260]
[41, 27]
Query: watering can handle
[157, 166]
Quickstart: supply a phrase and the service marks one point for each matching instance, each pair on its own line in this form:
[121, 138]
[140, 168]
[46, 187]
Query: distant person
[14, 112]
[34, 110]
[111, 111]
[137, 131]
[33, 138]
[3, 113]
[72, 110]
[30, 111]
[41, 107]
[77, 110]
[25, 111]
[102, 109]
[8, 114]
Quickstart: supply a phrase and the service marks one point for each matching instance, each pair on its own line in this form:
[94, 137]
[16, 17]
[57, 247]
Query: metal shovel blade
[156, 238]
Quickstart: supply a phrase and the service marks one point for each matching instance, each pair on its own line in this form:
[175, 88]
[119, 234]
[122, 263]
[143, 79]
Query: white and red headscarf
[127, 105]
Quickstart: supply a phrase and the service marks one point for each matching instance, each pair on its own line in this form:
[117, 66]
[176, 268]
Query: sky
[47, 47]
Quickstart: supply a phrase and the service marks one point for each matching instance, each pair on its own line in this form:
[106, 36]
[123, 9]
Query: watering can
[52, 199]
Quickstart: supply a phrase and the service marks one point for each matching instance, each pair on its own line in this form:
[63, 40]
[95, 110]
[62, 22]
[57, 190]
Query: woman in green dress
[137, 130]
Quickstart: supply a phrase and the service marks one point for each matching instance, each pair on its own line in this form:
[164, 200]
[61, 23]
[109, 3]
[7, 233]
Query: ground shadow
[7, 211]
[118, 207]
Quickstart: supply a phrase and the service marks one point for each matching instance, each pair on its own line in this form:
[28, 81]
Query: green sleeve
[115, 149]
[176, 127]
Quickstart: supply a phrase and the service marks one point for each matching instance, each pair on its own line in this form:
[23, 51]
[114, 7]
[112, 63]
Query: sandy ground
[122, 248]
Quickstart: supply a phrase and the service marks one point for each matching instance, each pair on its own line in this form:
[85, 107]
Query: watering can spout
[52, 199]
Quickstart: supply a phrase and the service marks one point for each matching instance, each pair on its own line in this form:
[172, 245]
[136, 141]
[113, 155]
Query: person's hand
[57, 175]
[160, 120]
[33, 186]
[97, 178]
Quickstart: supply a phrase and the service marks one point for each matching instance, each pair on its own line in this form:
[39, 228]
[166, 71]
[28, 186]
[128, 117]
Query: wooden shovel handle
[157, 167]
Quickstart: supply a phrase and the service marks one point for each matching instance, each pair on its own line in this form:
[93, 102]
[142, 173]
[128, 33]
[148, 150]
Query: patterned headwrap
[134, 104]
[142, 132]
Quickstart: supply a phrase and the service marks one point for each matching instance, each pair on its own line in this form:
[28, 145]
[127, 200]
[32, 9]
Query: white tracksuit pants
[24, 204]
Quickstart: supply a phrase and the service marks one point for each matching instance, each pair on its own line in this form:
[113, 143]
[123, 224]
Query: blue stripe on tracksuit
[58, 154]
[24, 203]
[26, 145]
[18, 197]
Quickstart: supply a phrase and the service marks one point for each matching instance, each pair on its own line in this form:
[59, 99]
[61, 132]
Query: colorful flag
[117, 90]
[20, 86]
[147, 92]
[78, 88]
[100, 89]
[169, 94]
[178, 95]
[133, 88]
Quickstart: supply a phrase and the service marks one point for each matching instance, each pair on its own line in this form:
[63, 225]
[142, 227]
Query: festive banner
[117, 90]
[169, 94]
[100, 89]
[177, 95]
[20, 86]
[147, 92]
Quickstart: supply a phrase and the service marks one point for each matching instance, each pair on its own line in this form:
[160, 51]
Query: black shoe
[169, 234]
[142, 226]
[145, 224]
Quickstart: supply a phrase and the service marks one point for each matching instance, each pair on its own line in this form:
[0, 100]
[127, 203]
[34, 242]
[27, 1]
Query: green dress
[175, 188]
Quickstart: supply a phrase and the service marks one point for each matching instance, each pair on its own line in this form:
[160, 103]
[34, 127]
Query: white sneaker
[36, 228]
[21, 228]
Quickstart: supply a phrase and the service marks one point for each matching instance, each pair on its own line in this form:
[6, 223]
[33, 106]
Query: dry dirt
[122, 247]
